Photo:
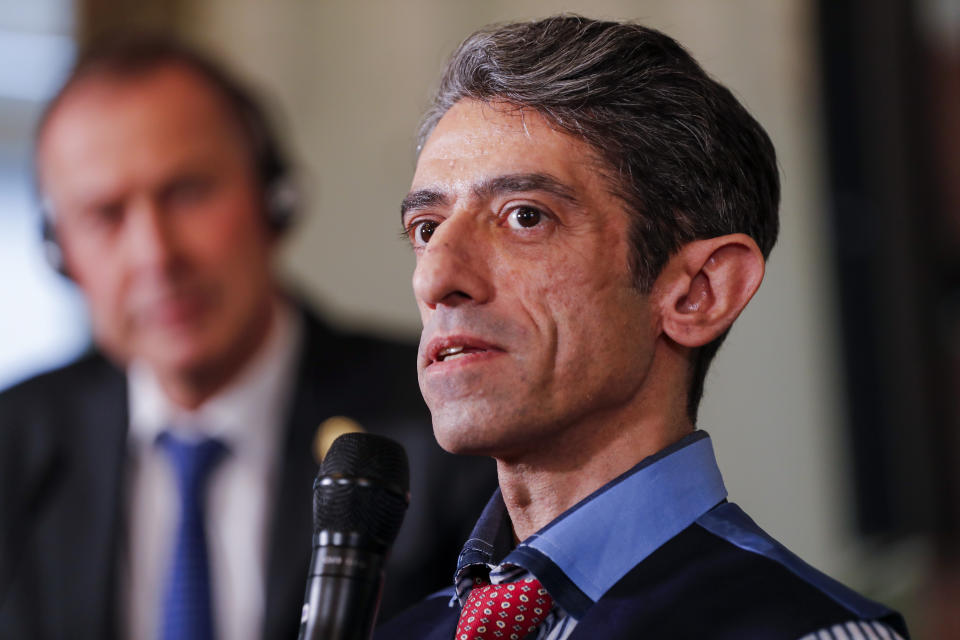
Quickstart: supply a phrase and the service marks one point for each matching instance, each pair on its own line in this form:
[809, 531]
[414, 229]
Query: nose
[149, 235]
[453, 269]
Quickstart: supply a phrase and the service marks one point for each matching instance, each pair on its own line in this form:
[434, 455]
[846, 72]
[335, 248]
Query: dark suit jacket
[63, 440]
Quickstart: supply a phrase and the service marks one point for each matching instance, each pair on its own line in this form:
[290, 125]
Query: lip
[173, 311]
[477, 348]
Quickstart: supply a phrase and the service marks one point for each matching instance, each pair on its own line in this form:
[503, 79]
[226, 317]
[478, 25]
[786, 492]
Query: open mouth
[458, 351]
[450, 348]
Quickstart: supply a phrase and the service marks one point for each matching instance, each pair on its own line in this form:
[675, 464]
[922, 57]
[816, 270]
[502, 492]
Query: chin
[472, 435]
[456, 434]
[181, 357]
[449, 439]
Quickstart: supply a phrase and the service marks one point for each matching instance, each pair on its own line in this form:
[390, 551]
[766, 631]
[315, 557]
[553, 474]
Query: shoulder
[91, 367]
[734, 528]
[58, 393]
[360, 345]
[362, 364]
[38, 414]
[43, 421]
[723, 577]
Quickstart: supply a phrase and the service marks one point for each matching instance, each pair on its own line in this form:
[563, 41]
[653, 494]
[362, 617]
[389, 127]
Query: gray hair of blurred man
[676, 147]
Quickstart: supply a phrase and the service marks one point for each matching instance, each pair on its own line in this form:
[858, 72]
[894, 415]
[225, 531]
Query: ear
[704, 287]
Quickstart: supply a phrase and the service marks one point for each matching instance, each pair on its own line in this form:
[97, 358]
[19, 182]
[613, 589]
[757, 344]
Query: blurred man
[161, 487]
[590, 213]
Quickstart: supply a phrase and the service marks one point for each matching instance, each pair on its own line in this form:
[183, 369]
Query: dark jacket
[63, 439]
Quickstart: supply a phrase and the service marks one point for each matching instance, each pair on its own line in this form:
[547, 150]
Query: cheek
[105, 294]
[233, 236]
[563, 295]
[101, 279]
[597, 320]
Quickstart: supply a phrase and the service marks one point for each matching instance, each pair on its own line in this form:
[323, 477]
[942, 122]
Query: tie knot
[192, 460]
[511, 610]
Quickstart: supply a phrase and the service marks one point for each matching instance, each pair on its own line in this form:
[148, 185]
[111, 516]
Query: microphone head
[362, 491]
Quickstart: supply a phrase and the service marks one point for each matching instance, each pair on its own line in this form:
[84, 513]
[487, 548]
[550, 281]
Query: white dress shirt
[248, 417]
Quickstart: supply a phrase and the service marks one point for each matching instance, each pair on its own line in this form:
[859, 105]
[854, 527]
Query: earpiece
[281, 198]
[51, 248]
[281, 201]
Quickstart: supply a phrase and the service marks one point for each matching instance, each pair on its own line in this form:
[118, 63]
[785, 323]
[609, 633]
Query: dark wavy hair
[676, 146]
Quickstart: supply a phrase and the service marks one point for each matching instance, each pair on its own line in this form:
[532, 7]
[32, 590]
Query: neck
[540, 485]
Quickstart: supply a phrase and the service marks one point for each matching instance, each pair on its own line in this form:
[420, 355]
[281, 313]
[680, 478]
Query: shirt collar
[588, 548]
[245, 415]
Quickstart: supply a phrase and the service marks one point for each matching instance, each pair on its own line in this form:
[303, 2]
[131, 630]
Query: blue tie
[187, 613]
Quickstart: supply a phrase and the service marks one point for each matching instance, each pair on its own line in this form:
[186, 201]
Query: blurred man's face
[533, 329]
[158, 210]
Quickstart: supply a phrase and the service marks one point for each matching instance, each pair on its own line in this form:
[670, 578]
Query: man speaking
[590, 213]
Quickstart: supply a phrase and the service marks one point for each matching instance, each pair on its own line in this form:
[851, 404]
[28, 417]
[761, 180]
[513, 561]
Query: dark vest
[720, 578]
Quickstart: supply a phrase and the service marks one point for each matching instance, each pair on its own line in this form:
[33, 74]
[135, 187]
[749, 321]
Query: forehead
[165, 112]
[476, 140]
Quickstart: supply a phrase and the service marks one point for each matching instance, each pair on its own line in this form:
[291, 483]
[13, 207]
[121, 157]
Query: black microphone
[359, 498]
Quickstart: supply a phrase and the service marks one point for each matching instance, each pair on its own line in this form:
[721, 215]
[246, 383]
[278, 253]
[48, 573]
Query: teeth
[455, 356]
[449, 352]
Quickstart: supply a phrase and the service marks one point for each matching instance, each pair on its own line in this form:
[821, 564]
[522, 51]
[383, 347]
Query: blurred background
[832, 405]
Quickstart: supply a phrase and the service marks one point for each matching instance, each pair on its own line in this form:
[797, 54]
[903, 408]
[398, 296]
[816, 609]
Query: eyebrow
[509, 183]
[423, 199]
[518, 182]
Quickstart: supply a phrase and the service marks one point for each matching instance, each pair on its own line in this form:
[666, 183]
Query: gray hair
[676, 146]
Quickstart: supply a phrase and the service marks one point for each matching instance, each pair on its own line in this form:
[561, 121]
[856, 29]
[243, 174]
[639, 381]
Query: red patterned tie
[509, 611]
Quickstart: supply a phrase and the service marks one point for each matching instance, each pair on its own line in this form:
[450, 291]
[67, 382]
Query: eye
[187, 191]
[524, 218]
[420, 232]
[103, 217]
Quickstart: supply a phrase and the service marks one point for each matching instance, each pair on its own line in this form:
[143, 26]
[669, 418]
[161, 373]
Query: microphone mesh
[368, 479]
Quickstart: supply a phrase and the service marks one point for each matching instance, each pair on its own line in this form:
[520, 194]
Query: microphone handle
[343, 594]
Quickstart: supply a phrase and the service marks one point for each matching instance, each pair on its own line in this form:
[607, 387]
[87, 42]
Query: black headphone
[127, 56]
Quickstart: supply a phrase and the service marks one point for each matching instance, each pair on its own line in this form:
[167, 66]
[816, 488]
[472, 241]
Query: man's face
[157, 207]
[533, 330]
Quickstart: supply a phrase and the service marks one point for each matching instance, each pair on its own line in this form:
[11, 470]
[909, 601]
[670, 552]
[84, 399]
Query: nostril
[455, 298]
[461, 294]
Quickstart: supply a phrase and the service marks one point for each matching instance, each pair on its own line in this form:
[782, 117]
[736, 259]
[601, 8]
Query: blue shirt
[592, 546]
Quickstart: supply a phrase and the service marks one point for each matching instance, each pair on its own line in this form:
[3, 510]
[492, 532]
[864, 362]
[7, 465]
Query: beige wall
[352, 79]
